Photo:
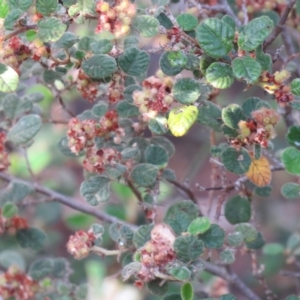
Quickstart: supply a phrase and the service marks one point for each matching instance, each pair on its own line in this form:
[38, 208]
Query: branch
[232, 278]
[279, 27]
[65, 200]
[229, 11]
[19, 30]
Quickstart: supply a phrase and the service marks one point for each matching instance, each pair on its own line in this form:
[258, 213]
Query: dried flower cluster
[156, 254]
[82, 134]
[86, 87]
[12, 225]
[80, 244]
[4, 162]
[15, 284]
[259, 130]
[116, 88]
[155, 96]
[275, 84]
[116, 18]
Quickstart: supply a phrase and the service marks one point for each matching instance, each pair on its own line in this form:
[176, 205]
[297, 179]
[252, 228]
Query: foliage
[91, 110]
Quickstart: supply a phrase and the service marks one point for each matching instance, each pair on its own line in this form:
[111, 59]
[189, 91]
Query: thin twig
[279, 27]
[19, 30]
[68, 201]
[232, 278]
[135, 191]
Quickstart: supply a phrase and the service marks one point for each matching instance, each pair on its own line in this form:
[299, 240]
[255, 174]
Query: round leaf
[147, 26]
[291, 160]
[214, 237]
[181, 119]
[186, 90]
[169, 66]
[291, 190]
[295, 86]
[236, 161]
[293, 136]
[99, 66]
[50, 29]
[227, 256]
[238, 210]
[254, 33]
[158, 125]
[232, 115]
[187, 21]
[187, 291]
[46, 7]
[31, 238]
[199, 225]
[95, 190]
[144, 174]
[215, 37]
[156, 155]
[9, 79]
[219, 75]
[188, 248]
[25, 129]
[134, 62]
[246, 68]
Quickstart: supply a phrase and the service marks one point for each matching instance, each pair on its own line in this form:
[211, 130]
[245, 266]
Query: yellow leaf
[260, 171]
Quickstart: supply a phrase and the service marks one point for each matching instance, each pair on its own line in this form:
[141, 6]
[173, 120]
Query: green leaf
[293, 136]
[131, 41]
[215, 37]
[227, 256]
[173, 297]
[273, 249]
[187, 22]
[236, 161]
[248, 231]
[25, 129]
[13, 106]
[186, 90]
[177, 59]
[230, 21]
[51, 76]
[214, 237]
[257, 243]
[295, 86]
[292, 297]
[235, 239]
[9, 210]
[130, 90]
[142, 235]
[21, 4]
[144, 174]
[11, 257]
[158, 125]
[263, 191]
[99, 66]
[147, 26]
[67, 40]
[156, 155]
[192, 63]
[210, 114]
[81, 9]
[238, 210]
[181, 119]
[15, 192]
[32, 238]
[232, 115]
[187, 291]
[41, 268]
[205, 62]
[264, 59]
[95, 190]
[9, 79]
[227, 297]
[291, 190]
[181, 273]
[4, 9]
[50, 29]
[168, 66]
[295, 104]
[31, 35]
[134, 62]
[46, 7]
[180, 222]
[156, 287]
[199, 225]
[254, 33]
[11, 19]
[246, 68]
[250, 105]
[126, 110]
[219, 75]
[162, 141]
[188, 248]
[164, 20]
[291, 160]
[101, 47]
